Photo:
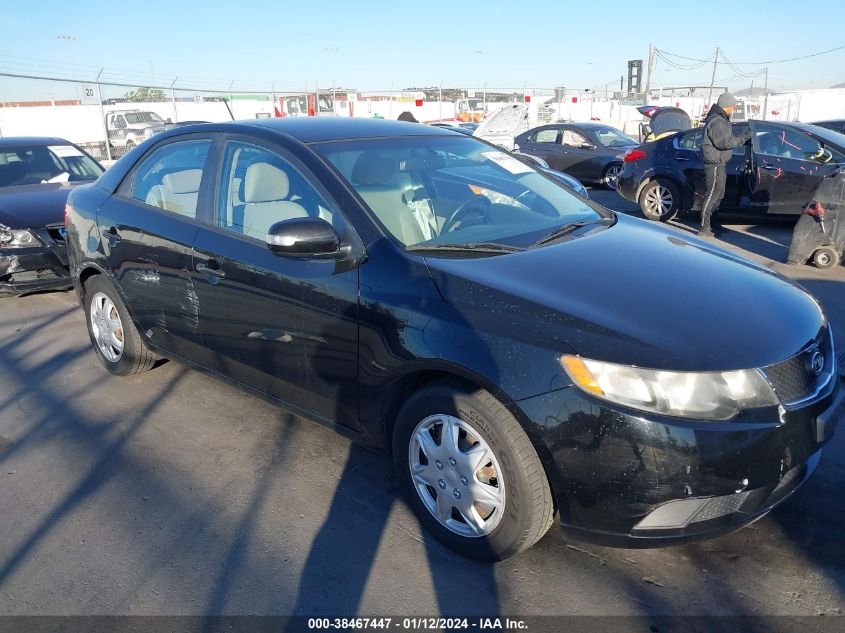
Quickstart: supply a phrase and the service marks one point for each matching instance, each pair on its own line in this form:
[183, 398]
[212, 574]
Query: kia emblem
[817, 362]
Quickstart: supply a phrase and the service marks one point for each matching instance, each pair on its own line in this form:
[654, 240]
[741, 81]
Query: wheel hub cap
[469, 497]
[106, 327]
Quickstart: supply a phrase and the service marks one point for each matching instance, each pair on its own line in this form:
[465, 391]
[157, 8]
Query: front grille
[794, 379]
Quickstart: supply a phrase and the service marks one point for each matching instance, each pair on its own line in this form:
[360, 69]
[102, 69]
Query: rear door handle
[213, 273]
[769, 166]
[111, 235]
[681, 158]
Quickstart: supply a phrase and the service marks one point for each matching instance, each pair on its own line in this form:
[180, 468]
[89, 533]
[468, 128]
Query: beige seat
[265, 189]
[379, 181]
[178, 192]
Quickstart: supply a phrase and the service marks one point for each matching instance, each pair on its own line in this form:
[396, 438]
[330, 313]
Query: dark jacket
[718, 141]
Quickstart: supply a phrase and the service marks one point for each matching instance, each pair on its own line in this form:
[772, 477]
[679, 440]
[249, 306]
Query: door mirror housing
[303, 237]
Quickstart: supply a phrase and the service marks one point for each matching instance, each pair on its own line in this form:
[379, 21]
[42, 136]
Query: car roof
[14, 141]
[317, 129]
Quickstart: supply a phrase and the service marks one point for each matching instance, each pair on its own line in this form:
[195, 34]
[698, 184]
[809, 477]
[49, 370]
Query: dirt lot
[176, 493]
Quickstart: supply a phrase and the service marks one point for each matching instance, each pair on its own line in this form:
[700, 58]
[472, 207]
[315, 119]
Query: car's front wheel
[660, 200]
[116, 340]
[470, 472]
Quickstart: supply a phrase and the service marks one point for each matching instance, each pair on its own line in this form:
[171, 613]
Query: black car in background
[837, 125]
[36, 176]
[774, 175]
[424, 292]
[591, 152]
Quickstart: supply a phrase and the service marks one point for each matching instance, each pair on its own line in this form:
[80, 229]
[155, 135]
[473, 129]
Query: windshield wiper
[568, 228]
[476, 247]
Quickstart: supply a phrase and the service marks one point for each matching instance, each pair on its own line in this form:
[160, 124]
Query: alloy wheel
[456, 475]
[106, 327]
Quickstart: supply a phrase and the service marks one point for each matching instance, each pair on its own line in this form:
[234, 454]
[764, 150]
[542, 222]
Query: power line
[770, 61]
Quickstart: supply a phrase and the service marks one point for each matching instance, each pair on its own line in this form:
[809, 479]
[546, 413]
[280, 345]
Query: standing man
[716, 148]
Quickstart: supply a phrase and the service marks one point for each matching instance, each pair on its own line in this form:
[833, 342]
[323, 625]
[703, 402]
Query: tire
[825, 257]
[610, 175]
[506, 491]
[109, 324]
[660, 200]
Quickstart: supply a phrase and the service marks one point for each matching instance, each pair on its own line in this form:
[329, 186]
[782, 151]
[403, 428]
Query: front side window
[437, 191]
[782, 143]
[259, 188]
[169, 178]
[37, 164]
[136, 118]
[611, 137]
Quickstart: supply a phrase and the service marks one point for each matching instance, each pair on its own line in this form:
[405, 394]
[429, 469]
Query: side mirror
[303, 237]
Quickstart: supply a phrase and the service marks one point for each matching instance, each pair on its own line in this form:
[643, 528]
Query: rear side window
[544, 136]
[170, 177]
[691, 140]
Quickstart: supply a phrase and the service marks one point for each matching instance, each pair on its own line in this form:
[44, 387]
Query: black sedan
[776, 174]
[422, 291]
[591, 152]
[36, 176]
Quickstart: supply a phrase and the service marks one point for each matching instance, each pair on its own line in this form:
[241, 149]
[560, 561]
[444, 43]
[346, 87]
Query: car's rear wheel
[825, 257]
[471, 474]
[611, 175]
[660, 200]
[115, 338]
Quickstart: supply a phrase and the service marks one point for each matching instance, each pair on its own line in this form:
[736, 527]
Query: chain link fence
[109, 117]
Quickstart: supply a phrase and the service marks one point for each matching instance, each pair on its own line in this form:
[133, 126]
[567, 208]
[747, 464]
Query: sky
[379, 45]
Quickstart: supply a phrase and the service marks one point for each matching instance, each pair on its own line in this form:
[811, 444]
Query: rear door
[147, 230]
[785, 173]
[286, 326]
[543, 142]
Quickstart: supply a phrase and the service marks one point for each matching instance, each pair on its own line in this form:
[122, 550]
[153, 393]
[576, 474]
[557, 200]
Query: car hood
[635, 294]
[34, 206]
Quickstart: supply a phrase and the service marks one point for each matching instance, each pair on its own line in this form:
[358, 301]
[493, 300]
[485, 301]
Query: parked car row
[424, 292]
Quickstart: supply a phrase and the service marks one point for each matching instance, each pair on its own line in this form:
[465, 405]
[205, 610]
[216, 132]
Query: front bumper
[35, 268]
[628, 479]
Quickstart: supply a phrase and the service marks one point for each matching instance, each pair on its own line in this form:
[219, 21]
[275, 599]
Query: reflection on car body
[422, 291]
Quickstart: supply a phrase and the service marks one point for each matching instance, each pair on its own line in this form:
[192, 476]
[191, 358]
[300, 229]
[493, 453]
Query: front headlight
[717, 395]
[16, 239]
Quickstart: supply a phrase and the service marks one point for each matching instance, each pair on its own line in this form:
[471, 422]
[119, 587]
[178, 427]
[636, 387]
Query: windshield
[134, 118]
[611, 137]
[35, 164]
[429, 191]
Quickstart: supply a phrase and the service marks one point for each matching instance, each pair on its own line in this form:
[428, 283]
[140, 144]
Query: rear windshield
[36, 164]
[670, 121]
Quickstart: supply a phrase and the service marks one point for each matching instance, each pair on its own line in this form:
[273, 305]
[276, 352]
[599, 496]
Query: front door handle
[681, 158]
[213, 273]
[769, 166]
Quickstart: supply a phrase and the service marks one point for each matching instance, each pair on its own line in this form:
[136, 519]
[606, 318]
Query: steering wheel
[477, 206]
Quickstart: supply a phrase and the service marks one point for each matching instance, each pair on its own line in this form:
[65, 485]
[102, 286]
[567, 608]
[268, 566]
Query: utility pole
[651, 57]
[766, 93]
[713, 79]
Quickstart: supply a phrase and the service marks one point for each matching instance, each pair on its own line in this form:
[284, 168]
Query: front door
[147, 231]
[786, 169]
[285, 326]
[577, 154]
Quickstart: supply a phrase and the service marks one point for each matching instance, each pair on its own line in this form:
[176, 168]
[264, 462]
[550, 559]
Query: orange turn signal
[583, 377]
